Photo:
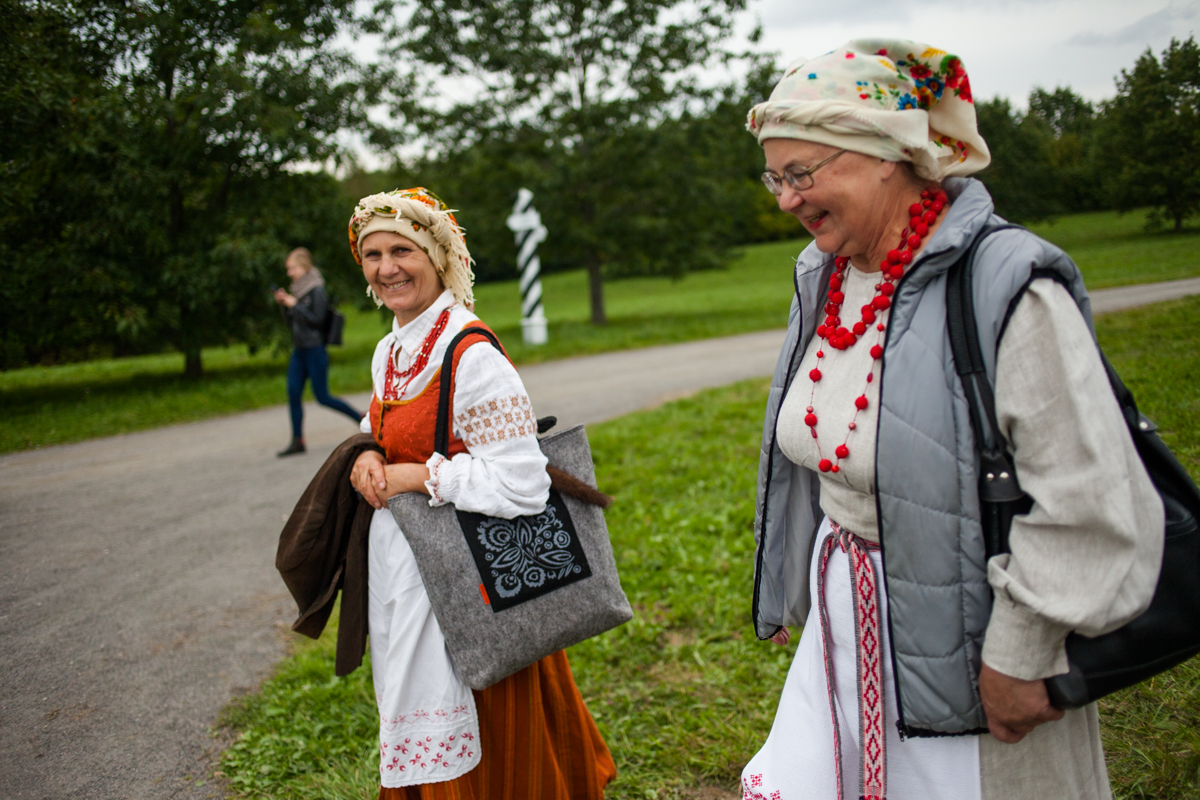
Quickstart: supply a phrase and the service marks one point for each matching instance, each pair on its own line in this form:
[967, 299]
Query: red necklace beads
[390, 390]
[923, 214]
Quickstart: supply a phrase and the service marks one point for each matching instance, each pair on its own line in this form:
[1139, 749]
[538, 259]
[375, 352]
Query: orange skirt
[538, 739]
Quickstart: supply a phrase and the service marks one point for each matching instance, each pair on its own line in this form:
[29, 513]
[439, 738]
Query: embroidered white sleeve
[503, 472]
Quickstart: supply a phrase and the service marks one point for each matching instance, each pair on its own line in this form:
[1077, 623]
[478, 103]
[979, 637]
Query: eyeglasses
[799, 178]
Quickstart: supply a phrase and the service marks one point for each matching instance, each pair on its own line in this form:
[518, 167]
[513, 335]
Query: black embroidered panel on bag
[526, 557]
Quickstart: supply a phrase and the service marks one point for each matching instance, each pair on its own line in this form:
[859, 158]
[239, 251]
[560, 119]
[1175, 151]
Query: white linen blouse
[429, 726]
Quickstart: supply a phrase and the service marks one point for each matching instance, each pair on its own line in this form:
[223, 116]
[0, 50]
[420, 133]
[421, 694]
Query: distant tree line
[159, 161]
[1140, 149]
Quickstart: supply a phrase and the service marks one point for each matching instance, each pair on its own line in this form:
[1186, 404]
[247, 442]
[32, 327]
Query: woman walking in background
[919, 673]
[306, 306]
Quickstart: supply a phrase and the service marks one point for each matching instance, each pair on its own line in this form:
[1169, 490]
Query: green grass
[1115, 249]
[1152, 731]
[683, 694]
[53, 405]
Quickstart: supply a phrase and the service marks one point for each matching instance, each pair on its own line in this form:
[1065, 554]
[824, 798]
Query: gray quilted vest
[935, 570]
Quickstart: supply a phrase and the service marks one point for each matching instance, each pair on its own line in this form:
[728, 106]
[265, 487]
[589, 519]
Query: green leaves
[583, 101]
[153, 151]
[1151, 130]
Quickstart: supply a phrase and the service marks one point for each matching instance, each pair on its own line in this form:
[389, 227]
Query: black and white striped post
[526, 223]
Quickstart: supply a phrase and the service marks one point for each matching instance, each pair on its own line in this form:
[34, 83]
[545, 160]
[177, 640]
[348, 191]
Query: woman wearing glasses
[920, 670]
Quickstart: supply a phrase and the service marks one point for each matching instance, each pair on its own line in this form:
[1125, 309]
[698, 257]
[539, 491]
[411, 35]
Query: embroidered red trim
[869, 661]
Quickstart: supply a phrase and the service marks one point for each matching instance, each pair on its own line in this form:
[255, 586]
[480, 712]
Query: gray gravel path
[137, 586]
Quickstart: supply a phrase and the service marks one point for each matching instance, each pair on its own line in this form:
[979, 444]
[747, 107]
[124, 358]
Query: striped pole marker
[526, 223]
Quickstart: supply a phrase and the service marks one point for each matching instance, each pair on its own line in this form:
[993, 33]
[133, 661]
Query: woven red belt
[869, 657]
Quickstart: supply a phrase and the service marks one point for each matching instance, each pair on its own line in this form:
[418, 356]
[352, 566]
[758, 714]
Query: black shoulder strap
[998, 478]
[441, 438]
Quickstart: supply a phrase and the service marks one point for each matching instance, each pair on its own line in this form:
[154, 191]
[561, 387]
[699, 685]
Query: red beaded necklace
[923, 214]
[390, 390]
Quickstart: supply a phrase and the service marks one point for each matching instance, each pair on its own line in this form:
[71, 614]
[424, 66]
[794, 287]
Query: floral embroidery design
[378, 204]
[438, 716]
[885, 96]
[750, 790]
[427, 753]
[496, 421]
[527, 551]
[931, 81]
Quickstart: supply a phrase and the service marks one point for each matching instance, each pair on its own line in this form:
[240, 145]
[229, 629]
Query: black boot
[296, 446]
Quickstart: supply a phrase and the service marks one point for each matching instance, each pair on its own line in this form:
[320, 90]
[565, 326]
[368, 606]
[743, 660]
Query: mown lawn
[54, 405]
[684, 694]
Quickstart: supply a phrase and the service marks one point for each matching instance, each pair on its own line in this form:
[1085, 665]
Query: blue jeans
[311, 363]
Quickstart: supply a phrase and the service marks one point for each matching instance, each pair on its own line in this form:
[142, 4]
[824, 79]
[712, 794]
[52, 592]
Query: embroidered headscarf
[420, 215]
[889, 98]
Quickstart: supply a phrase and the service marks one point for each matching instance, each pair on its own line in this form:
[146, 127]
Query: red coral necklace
[923, 214]
[390, 390]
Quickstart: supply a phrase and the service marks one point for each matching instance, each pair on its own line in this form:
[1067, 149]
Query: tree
[590, 99]
[1020, 171]
[1074, 180]
[55, 106]
[186, 185]
[1151, 132]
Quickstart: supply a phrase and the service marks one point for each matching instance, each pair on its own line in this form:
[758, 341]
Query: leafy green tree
[188, 196]
[589, 98]
[1021, 168]
[1075, 176]
[58, 301]
[1151, 134]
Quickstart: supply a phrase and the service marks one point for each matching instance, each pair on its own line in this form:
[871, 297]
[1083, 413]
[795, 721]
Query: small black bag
[335, 323]
[1168, 632]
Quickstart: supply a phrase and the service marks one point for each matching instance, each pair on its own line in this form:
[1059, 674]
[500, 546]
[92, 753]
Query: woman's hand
[1014, 707]
[376, 480]
[368, 476]
[284, 299]
[782, 637]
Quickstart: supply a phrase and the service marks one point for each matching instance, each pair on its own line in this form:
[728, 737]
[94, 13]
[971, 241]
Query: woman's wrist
[402, 478]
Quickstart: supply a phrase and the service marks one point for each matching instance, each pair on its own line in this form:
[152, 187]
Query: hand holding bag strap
[1000, 494]
[1168, 632]
[441, 438]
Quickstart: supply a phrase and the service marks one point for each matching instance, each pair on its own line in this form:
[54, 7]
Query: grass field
[683, 694]
[53, 405]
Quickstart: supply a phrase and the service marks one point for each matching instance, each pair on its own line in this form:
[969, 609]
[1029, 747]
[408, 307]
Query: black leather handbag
[1168, 632]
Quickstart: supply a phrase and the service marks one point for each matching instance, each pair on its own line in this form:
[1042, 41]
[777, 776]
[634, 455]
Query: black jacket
[308, 318]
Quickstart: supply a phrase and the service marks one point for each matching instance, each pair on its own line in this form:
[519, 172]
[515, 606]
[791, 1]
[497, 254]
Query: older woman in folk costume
[530, 735]
[919, 672]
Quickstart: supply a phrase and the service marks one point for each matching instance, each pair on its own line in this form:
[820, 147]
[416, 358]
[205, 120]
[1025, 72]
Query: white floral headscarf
[890, 98]
[420, 215]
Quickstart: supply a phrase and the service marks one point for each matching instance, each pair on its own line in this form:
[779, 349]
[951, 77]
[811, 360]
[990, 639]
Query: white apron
[798, 760]
[428, 726]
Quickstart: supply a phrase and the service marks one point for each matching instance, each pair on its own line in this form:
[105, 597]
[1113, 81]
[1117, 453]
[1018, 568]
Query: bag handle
[441, 437]
[998, 486]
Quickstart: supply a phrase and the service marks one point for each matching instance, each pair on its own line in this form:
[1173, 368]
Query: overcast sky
[1008, 46]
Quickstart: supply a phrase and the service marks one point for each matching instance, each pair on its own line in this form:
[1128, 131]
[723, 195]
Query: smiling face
[401, 274]
[853, 204]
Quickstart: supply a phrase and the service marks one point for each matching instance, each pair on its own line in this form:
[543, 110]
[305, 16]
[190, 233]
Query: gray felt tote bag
[508, 592]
